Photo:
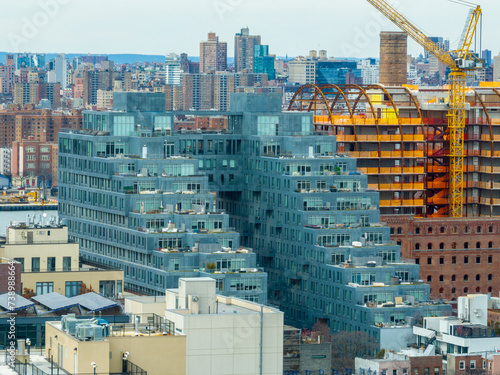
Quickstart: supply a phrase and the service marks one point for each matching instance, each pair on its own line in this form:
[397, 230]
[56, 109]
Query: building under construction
[399, 137]
[400, 140]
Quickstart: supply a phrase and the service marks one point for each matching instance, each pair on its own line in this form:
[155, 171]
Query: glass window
[20, 260]
[44, 288]
[73, 288]
[51, 264]
[107, 288]
[67, 264]
[35, 264]
[267, 125]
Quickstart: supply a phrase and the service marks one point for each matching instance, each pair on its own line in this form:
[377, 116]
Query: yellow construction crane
[460, 62]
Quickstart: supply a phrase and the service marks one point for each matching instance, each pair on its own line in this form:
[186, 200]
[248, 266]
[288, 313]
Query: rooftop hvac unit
[88, 332]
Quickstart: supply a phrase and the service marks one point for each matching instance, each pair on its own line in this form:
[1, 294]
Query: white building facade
[5, 160]
[369, 71]
[225, 335]
[465, 334]
[172, 69]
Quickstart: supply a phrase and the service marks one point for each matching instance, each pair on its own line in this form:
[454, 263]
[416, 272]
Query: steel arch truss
[351, 100]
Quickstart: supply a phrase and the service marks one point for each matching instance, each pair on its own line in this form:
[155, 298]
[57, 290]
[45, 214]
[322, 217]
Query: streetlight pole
[28, 343]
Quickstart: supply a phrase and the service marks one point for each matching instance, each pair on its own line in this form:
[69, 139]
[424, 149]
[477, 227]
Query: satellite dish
[196, 298]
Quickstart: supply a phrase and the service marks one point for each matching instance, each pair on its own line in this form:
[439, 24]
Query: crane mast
[460, 62]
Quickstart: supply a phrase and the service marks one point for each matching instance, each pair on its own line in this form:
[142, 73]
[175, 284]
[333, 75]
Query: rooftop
[52, 303]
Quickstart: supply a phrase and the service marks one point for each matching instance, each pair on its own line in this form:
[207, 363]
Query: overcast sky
[345, 28]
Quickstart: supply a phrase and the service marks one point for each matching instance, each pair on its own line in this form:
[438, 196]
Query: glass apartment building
[139, 197]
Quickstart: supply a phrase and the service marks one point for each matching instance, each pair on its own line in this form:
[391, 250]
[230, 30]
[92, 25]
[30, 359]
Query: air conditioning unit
[89, 332]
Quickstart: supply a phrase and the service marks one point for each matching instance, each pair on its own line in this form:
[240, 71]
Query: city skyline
[37, 25]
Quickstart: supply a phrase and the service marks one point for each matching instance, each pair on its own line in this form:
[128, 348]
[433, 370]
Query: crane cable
[464, 3]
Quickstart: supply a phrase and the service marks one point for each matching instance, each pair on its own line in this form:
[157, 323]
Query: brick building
[7, 79]
[214, 123]
[7, 269]
[33, 93]
[211, 122]
[494, 318]
[432, 365]
[456, 256]
[26, 122]
[46, 124]
[213, 54]
[462, 364]
[34, 162]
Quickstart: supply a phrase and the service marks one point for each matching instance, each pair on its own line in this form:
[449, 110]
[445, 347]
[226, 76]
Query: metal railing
[26, 368]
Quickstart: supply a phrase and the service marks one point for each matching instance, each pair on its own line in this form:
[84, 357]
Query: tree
[381, 354]
[321, 328]
[28, 293]
[84, 289]
[346, 346]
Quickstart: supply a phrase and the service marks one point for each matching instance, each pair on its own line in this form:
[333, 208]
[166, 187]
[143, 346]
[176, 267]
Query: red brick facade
[5, 271]
[432, 365]
[34, 159]
[464, 364]
[456, 256]
[20, 123]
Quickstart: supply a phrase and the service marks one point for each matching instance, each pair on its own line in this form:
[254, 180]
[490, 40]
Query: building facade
[244, 46]
[393, 58]
[5, 161]
[34, 162]
[225, 335]
[456, 257]
[307, 213]
[50, 263]
[33, 93]
[172, 69]
[213, 55]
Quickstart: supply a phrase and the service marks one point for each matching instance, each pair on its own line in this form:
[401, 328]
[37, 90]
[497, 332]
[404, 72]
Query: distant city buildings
[29, 60]
[496, 68]
[172, 69]
[7, 79]
[302, 71]
[486, 55]
[58, 71]
[263, 62]
[369, 71]
[188, 66]
[33, 93]
[321, 71]
[213, 91]
[213, 55]
[244, 50]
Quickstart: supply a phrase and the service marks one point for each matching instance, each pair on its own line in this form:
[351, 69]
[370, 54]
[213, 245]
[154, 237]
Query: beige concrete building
[302, 71]
[124, 348]
[225, 335]
[141, 306]
[496, 68]
[50, 262]
[104, 99]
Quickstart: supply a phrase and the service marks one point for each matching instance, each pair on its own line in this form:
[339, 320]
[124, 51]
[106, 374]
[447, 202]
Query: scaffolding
[399, 137]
